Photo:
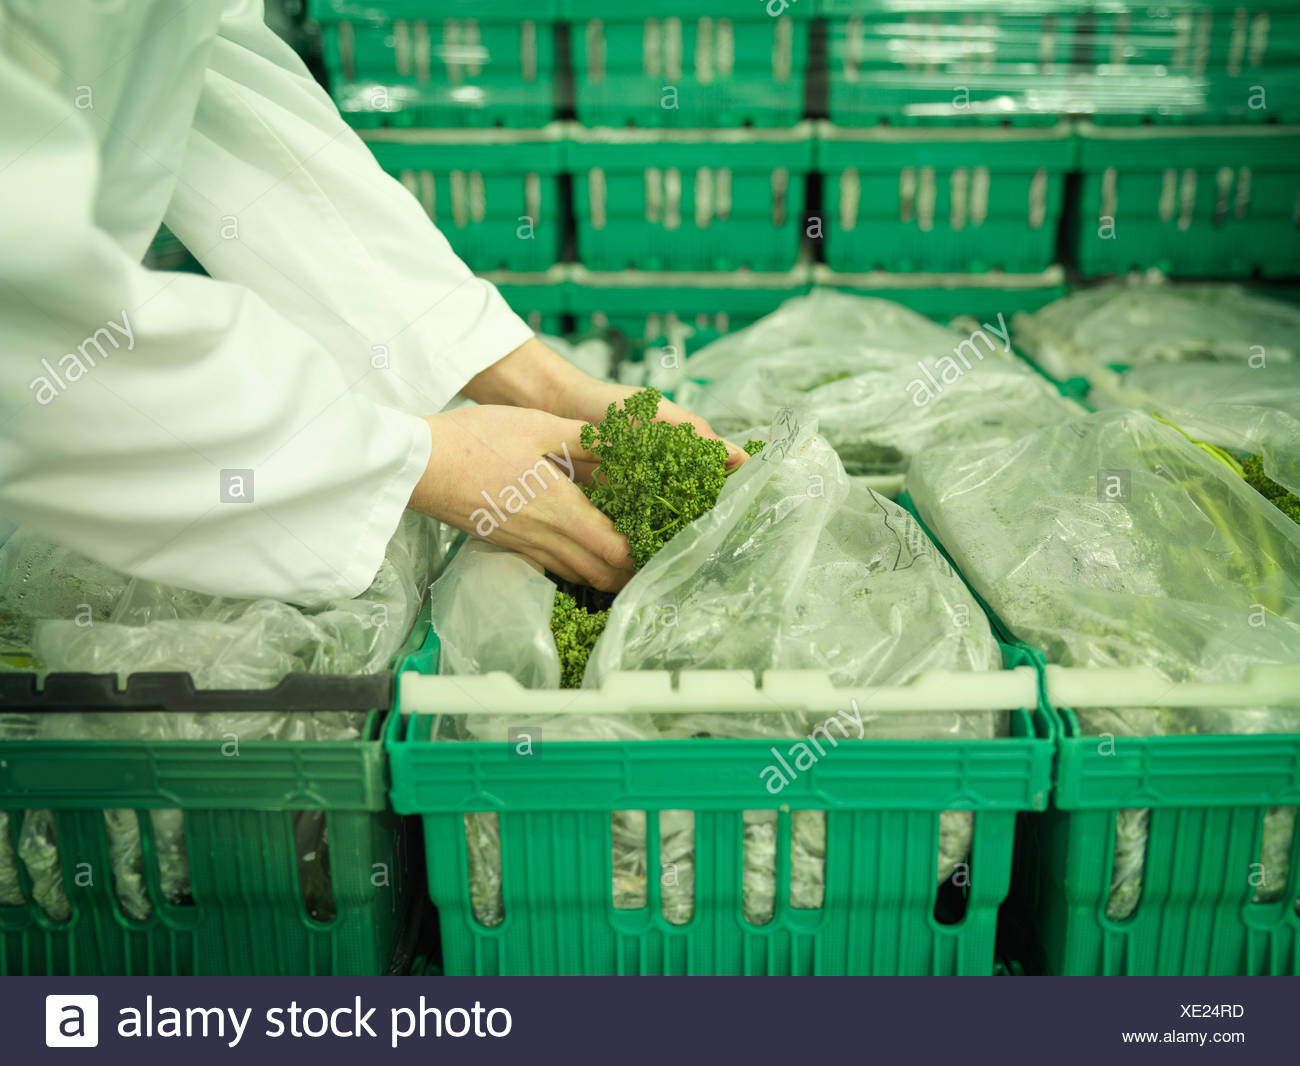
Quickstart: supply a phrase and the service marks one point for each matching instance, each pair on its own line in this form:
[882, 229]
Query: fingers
[562, 443]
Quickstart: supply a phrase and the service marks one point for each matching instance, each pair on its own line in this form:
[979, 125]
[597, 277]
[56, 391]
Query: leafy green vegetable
[576, 631]
[652, 480]
[1286, 502]
[653, 477]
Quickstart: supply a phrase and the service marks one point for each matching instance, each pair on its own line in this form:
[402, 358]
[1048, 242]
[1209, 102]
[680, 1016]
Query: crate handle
[1144, 686]
[721, 691]
[175, 691]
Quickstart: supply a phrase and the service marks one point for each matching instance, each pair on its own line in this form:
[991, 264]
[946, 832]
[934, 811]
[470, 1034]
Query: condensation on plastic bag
[1089, 577]
[851, 362]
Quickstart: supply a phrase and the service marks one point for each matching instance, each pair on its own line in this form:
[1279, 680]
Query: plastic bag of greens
[1114, 541]
[1146, 320]
[799, 567]
[1254, 410]
[882, 382]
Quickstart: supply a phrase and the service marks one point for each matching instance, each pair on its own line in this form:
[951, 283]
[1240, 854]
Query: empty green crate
[1194, 202]
[1207, 797]
[686, 311]
[440, 62]
[930, 200]
[494, 194]
[883, 800]
[248, 914]
[689, 199]
[683, 64]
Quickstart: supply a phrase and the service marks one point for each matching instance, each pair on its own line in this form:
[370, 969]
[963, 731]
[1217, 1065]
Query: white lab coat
[335, 315]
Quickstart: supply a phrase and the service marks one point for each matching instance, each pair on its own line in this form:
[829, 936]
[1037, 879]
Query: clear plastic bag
[882, 382]
[1144, 320]
[491, 609]
[1114, 541]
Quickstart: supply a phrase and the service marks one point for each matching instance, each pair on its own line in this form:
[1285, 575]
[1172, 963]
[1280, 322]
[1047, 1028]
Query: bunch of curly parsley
[653, 479]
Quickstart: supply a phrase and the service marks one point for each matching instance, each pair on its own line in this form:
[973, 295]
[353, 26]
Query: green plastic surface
[1193, 203]
[440, 63]
[939, 201]
[883, 800]
[683, 64]
[498, 204]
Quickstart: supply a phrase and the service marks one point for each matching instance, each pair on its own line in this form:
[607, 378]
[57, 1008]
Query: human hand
[535, 376]
[506, 475]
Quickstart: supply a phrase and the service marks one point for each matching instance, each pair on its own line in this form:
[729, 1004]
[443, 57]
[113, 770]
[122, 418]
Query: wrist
[530, 376]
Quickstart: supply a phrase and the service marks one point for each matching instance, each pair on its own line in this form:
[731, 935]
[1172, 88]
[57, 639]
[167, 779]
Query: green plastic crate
[684, 310]
[247, 913]
[685, 64]
[1207, 796]
[931, 200]
[1195, 202]
[494, 194]
[689, 199]
[1027, 63]
[883, 800]
[945, 296]
[440, 62]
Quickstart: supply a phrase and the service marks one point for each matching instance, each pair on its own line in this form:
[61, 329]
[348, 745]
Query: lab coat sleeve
[278, 193]
[170, 425]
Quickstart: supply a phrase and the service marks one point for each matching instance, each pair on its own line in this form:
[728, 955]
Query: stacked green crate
[1193, 201]
[253, 907]
[939, 200]
[494, 194]
[1022, 62]
[883, 799]
[440, 62]
[949, 63]
[716, 199]
[682, 63]
[1228, 60]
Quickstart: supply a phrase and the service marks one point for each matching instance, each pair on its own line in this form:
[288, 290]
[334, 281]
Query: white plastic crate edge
[796, 277]
[719, 691]
[825, 130]
[580, 134]
[1266, 685]
[550, 133]
[1092, 132]
[823, 275]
